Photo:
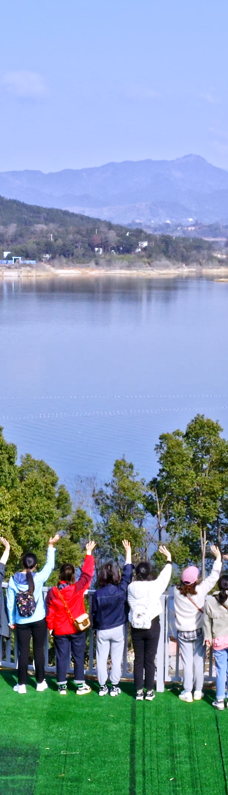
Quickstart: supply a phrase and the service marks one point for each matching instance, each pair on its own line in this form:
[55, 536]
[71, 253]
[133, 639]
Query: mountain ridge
[155, 190]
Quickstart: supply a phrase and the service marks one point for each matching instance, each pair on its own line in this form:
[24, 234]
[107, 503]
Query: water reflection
[92, 368]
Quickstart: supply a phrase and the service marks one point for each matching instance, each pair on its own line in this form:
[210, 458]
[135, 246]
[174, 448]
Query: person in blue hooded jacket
[109, 616]
[4, 628]
[29, 583]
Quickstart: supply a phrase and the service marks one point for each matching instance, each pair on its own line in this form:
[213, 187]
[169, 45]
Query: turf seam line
[222, 757]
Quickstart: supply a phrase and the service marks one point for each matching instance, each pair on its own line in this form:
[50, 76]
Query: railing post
[160, 651]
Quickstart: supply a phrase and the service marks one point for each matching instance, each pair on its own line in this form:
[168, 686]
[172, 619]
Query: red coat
[57, 617]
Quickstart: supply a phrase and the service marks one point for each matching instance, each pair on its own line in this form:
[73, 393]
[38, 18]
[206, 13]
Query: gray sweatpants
[110, 640]
[193, 655]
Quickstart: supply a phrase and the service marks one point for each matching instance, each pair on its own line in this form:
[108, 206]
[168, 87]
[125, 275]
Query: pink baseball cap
[190, 575]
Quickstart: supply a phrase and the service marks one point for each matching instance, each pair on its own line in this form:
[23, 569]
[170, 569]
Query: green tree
[189, 497]
[121, 510]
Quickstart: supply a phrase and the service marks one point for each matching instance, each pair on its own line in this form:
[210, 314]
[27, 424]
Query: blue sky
[85, 82]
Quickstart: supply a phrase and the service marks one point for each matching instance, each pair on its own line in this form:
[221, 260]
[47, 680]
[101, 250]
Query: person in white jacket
[189, 598]
[145, 607]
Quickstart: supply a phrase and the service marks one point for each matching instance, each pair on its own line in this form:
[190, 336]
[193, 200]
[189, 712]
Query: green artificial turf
[54, 745]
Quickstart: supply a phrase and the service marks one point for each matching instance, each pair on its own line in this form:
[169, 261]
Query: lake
[94, 368]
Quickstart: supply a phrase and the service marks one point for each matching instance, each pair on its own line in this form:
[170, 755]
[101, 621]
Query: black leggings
[145, 644]
[37, 629]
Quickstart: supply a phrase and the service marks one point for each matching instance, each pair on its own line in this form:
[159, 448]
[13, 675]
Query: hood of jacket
[19, 581]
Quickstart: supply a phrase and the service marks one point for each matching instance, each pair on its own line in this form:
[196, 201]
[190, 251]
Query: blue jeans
[221, 662]
[64, 646]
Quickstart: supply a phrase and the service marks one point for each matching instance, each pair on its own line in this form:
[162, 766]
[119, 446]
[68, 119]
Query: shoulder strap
[66, 606]
[193, 603]
[220, 603]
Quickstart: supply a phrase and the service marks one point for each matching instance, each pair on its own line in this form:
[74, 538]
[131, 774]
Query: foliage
[121, 510]
[31, 232]
[33, 507]
[189, 497]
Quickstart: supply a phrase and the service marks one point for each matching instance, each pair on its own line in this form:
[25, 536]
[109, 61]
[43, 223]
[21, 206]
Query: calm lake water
[92, 369]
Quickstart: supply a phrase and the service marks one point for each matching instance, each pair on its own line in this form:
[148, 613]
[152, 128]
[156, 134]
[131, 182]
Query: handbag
[82, 622]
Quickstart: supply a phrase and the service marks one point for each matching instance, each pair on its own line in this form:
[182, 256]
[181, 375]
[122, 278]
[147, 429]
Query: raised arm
[87, 568]
[6, 552]
[211, 580]
[127, 547]
[164, 577]
[128, 568]
[44, 573]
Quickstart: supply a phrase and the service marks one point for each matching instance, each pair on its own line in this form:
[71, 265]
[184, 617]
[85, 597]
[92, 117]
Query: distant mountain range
[145, 192]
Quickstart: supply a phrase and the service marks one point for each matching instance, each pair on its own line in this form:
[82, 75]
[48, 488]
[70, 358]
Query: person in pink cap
[189, 598]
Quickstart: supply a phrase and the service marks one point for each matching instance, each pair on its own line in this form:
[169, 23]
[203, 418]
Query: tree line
[31, 232]
[185, 505]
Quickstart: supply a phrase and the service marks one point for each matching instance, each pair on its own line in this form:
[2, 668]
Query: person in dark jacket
[60, 620]
[109, 616]
[4, 627]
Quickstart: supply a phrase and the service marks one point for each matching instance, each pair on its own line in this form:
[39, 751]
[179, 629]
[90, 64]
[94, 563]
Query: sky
[86, 82]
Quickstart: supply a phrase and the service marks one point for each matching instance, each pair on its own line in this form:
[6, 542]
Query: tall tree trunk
[203, 541]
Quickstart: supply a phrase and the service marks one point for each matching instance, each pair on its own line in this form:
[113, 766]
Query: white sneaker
[198, 695]
[20, 689]
[83, 689]
[186, 696]
[218, 704]
[41, 686]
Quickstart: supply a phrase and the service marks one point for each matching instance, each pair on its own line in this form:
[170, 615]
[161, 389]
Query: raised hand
[5, 543]
[127, 547]
[53, 540]
[90, 547]
[216, 551]
[165, 552]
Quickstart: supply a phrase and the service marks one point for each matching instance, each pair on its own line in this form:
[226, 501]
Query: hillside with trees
[36, 232]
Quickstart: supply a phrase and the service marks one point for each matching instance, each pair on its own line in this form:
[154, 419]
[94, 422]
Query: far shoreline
[219, 273]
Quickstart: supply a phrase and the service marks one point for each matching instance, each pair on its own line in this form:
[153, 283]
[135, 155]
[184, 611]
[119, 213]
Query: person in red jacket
[67, 638]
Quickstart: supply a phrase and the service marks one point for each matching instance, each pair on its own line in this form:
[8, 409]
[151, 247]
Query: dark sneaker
[62, 689]
[115, 691]
[139, 695]
[149, 695]
[103, 690]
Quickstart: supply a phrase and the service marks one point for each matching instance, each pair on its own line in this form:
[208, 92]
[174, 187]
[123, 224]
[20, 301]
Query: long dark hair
[29, 561]
[108, 574]
[67, 573]
[143, 570]
[186, 587]
[223, 588]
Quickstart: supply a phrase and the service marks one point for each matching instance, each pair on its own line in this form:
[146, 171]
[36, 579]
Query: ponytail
[29, 561]
[223, 588]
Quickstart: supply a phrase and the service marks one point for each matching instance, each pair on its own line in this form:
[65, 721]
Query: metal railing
[168, 660]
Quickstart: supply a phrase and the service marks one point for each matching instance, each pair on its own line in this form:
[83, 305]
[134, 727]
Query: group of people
[201, 621]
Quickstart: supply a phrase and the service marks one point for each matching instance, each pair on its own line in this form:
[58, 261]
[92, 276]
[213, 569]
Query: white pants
[193, 656]
[110, 640]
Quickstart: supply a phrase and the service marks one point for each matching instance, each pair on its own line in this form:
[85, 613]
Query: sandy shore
[219, 273]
